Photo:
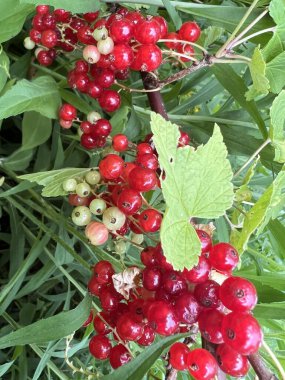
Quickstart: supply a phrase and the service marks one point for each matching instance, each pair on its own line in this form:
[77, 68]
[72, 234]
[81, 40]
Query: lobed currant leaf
[276, 130]
[257, 69]
[186, 189]
[52, 180]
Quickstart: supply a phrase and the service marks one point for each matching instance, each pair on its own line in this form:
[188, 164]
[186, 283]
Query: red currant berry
[148, 160]
[44, 58]
[238, 294]
[150, 220]
[128, 329]
[206, 241]
[173, 283]
[122, 56]
[42, 9]
[147, 31]
[119, 356]
[207, 294]
[91, 16]
[210, 325]
[103, 271]
[148, 58]
[85, 127]
[76, 200]
[94, 287]
[142, 179]
[67, 112]
[35, 35]
[88, 142]
[147, 337]
[187, 50]
[231, 362]
[105, 78]
[102, 128]
[148, 256]
[122, 74]
[199, 273]
[173, 37]
[144, 148]
[109, 299]
[201, 364]
[49, 21]
[100, 347]
[84, 35]
[88, 320]
[162, 318]
[109, 100]
[134, 17]
[129, 201]
[121, 30]
[187, 308]
[94, 90]
[184, 139]
[81, 67]
[111, 166]
[178, 355]
[161, 259]
[242, 332]
[223, 257]
[103, 63]
[38, 23]
[151, 278]
[163, 26]
[61, 15]
[120, 143]
[101, 323]
[189, 31]
[96, 233]
[81, 83]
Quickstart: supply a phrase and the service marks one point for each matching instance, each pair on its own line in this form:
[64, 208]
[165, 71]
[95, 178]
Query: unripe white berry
[97, 206]
[105, 46]
[91, 54]
[93, 116]
[69, 184]
[81, 216]
[29, 44]
[113, 218]
[93, 177]
[100, 33]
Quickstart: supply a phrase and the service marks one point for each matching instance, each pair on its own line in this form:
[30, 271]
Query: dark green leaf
[76, 6]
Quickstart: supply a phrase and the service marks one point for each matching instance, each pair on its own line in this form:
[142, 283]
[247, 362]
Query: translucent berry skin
[174, 283]
[163, 25]
[238, 294]
[148, 256]
[119, 356]
[162, 318]
[111, 166]
[96, 233]
[94, 287]
[122, 56]
[147, 31]
[207, 294]
[206, 241]
[128, 329]
[102, 128]
[99, 325]
[231, 362]
[223, 257]
[201, 364]
[152, 277]
[49, 38]
[178, 355]
[105, 78]
[147, 337]
[242, 332]
[121, 30]
[189, 31]
[148, 58]
[199, 273]
[142, 179]
[148, 160]
[172, 44]
[150, 220]
[120, 143]
[109, 100]
[129, 201]
[103, 271]
[187, 308]
[109, 299]
[210, 325]
[99, 347]
[144, 148]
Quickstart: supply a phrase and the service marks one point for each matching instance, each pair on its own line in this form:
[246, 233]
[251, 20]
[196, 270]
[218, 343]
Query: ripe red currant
[119, 356]
[67, 112]
[187, 308]
[100, 347]
[189, 31]
[120, 143]
[199, 273]
[201, 364]
[223, 257]
[121, 30]
[142, 179]
[210, 325]
[147, 31]
[111, 166]
[129, 201]
[152, 277]
[162, 318]
[231, 362]
[128, 329]
[207, 294]
[148, 58]
[109, 100]
[122, 56]
[103, 271]
[150, 220]
[178, 355]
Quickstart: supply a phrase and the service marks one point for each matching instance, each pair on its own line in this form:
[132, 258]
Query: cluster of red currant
[164, 301]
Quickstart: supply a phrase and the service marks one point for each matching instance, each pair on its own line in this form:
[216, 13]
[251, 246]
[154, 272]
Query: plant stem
[251, 158]
[260, 368]
[238, 42]
[275, 360]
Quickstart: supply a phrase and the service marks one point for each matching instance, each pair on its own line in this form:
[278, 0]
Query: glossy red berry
[91, 16]
[201, 364]
[84, 35]
[81, 67]
[207, 294]
[173, 37]
[42, 9]
[238, 294]
[120, 143]
[144, 148]
[173, 283]
[35, 35]
[148, 58]
[88, 142]
[89, 319]
[152, 277]
[189, 31]
[142, 179]
[163, 26]
[38, 23]
[102, 128]
[187, 50]
[94, 90]
[128, 329]
[49, 21]
[147, 31]
[150, 220]
[94, 287]
[148, 160]
[148, 256]
[109, 100]
[242, 332]
[199, 273]
[102, 322]
[134, 17]
[184, 139]
[76, 200]
[119, 356]
[121, 30]
[103, 271]
[111, 166]
[122, 56]
[206, 241]
[162, 318]
[187, 308]
[231, 362]
[67, 112]
[223, 257]
[178, 355]
[210, 325]
[44, 58]
[105, 78]
[100, 347]
[129, 201]
[147, 337]
[109, 299]
[61, 15]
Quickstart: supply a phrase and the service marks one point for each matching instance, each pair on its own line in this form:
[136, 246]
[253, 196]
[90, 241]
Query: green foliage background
[45, 261]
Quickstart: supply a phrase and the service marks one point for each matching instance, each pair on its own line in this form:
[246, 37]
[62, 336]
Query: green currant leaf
[52, 328]
[275, 73]
[197, 183]
[53, 180]
[277, 10]
[257, 69]
[276, 130]
[40, 95]
[75, 6]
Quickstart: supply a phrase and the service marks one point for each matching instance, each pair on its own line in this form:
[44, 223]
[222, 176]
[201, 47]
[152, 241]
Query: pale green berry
[93, 116]
[69, 184]
[121, 247]
[100, 33]
[83, 189]
[81, 215]
[29, 44]
[93, 177]
[137, 238]
[97, 206]
[113, 218]
[105, 46]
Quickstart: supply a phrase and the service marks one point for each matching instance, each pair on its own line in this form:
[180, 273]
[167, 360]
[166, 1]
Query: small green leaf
[39, 95]
[276, 130]
[36, 129]
[173, 13]
[4, 69]
[275, 73]
[138, 367]
[277, 10]
[51, 328]
[211, 34]
[257, 68]
[75, 6]
[186, 189]
[119, 120]
[53, 180]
